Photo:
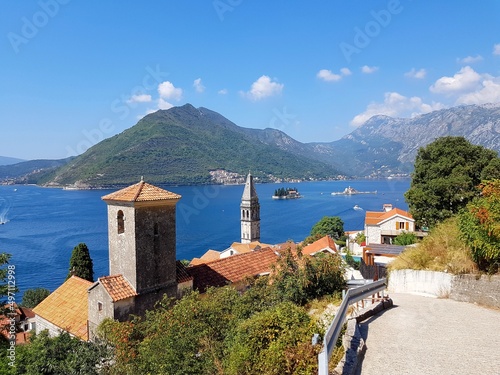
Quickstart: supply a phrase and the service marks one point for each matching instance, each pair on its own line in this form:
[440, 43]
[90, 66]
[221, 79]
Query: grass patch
[442, 250]
[318, 308]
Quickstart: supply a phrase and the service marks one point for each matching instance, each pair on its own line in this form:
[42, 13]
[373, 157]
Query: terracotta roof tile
[374, 217]
[232, 269]
[117, 287]
[321, 244]
[67, 307]
[182, 274]
[280, 247]
[243, 248]
[141, 192]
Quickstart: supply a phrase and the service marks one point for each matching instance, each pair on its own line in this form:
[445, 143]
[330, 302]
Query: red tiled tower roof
[141, 192]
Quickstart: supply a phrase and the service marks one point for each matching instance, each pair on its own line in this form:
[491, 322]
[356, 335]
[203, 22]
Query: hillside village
[143, 265]
[156, 313]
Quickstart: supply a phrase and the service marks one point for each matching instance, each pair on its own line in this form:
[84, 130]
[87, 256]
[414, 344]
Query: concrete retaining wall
[483, 290]
[426, 282]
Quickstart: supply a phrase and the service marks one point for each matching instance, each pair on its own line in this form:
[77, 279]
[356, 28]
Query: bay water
[41, 225]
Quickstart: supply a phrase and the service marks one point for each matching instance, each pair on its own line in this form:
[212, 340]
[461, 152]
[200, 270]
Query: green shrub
[441, 250]
[276, 341]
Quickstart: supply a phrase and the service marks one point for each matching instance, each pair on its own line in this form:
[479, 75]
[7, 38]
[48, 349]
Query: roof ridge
[234, 256]
[141, 185]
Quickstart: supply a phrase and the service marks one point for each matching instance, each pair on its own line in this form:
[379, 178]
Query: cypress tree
[81, 264]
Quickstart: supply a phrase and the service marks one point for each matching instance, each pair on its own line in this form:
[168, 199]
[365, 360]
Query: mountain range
[183, 144]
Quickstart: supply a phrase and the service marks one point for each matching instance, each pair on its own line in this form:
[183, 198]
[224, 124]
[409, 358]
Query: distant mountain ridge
[5, 160]
[183, 144]
[384, 145]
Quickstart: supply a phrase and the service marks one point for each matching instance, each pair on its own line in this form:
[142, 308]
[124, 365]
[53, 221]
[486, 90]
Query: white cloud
[469, 87]
[470, 59]
[345, 72]
[489, 92]
[198, 86]
[222, 92]
[496, 49]
[168, 91]
[163, 104]
[417, 74]
[395, 105]
[263, 88]
[141, 98]
[328, 76]
[369, 69]
[465, 80]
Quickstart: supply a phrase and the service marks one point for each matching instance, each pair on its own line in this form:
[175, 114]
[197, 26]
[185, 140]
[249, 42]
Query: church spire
[249, 192]
[250, 212]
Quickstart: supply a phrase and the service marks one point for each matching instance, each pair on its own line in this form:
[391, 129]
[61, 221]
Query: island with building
[286, 193]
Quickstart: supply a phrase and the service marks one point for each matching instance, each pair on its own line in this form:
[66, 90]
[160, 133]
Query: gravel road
[425, 336]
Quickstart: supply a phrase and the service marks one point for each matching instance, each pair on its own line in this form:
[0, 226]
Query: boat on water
[351, 191]
[357, 208]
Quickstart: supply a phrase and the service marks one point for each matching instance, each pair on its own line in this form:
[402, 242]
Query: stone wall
[483, 290]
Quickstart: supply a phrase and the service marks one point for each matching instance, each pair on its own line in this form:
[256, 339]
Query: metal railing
[332, 334]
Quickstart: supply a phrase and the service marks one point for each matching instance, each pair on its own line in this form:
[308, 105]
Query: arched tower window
[120, 221]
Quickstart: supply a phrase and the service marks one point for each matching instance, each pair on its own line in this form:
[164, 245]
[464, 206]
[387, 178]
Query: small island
[286, 193]
[351, 191]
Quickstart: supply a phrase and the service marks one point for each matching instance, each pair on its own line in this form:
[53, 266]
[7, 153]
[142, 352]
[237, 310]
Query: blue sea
[43, 225]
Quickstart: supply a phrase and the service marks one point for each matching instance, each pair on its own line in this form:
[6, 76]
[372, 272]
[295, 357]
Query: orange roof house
[24, 322]
[233, 269]
[65, 309]
[209, 256]
[324, 245]
[381, 227]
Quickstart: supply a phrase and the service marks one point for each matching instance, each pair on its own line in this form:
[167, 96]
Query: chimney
[387, 207]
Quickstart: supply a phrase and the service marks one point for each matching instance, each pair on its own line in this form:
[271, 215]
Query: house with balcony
[381, 227]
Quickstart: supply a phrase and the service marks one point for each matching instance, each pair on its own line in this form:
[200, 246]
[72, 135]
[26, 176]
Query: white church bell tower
[250, 213]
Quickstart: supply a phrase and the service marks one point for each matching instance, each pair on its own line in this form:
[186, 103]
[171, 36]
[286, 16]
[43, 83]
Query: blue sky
[75, 72]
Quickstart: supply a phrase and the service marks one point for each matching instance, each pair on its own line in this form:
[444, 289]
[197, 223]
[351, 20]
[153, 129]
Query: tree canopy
[447, 173]
[264, 330]
[329, 225]
[33, 297]
[81, 264]
[61, 355]
[480, 227]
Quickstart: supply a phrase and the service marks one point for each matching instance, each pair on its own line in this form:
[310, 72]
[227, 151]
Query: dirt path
[426, 336]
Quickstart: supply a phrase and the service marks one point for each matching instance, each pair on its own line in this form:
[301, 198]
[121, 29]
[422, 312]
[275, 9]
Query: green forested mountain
[180, 146]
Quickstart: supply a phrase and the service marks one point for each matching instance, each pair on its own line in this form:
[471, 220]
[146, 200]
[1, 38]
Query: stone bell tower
[250, 213]
[141, 230]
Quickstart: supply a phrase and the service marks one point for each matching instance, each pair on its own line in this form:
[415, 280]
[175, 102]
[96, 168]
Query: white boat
[357, 208]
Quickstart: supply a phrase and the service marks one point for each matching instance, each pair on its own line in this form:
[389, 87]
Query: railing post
[323, 361]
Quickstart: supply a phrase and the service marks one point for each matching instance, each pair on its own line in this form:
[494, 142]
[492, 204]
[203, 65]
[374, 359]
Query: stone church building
[142, 265]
